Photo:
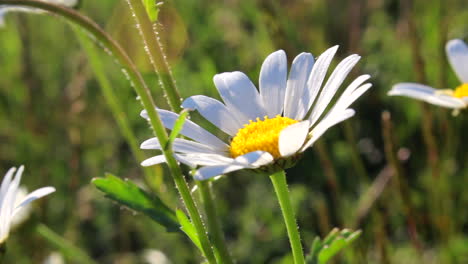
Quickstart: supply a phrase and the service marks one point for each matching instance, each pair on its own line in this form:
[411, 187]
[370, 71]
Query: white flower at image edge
[6, 8]
[12, 201]
[457, 53]
[268, 128]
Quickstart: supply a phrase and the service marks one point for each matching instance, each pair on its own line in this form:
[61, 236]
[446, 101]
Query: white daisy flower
[7, 8]
[11, 203]
[457, 52]
[269, 128]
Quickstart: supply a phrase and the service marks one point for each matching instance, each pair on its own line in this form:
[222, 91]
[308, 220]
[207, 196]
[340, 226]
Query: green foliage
[69, 251]
[152, 9]
[129, 194]
[322, 251]
[188, 228]
[178, 125]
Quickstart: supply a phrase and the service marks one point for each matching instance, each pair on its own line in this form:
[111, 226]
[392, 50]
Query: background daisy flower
[457, 52]
[12, 202]
[269, 128]
[6, 9]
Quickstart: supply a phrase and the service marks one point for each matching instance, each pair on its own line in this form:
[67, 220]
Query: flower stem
[214, 227]
[154, 49]
[143, 92]
[281, 188]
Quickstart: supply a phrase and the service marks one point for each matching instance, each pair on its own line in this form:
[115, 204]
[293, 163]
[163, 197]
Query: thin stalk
[143, 92]
[69, 251]
[390, 153]
[330, 175]
[214, 227]
[153, 47]
[112, 100]
[149, 33]
[282, 193]
[419, 67]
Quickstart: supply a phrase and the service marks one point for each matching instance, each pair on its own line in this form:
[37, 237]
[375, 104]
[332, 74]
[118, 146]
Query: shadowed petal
[240, 95]
[457, 52]
[427, 94]
[39, 193]
[250, 160]
[215, 112]
[190, 129]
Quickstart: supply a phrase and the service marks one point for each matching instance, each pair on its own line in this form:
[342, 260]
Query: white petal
[272, 82]
[240, 95]
[329, 121]
[153, 161]
[255, 159]
[457, 52]
[427, 94]
[5, 183]
[213, 171]
[190, 129]
[41, 192]
[319, 71]
[202, 159]
[181, 146]
[347, 99]
[215, 112]
[294, 102]
[333, 83]
[354, 85]
[250, 160]
[292, 138]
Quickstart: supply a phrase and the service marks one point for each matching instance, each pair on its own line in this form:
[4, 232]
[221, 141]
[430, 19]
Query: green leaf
[151, 9]
[314, 250]
[322, 251]
[340, 241]
[178, 125]
[68, 250]
[188, 228]
[130, 195]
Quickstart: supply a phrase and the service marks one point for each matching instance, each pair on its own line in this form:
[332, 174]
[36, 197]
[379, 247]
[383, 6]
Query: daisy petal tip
[455, 45]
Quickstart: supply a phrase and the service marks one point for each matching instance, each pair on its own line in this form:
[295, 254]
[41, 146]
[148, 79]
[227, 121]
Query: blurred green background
[55, 120]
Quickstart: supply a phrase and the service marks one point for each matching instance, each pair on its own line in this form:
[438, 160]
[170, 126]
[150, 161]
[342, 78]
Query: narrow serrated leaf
[314, 251]
[331, 236]
[178, 125]
[151, 9]
[129, 194]
[334, 246]
[188, 228]
[331, 250]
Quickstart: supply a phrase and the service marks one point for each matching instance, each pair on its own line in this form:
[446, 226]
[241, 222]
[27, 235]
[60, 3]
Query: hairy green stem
[143, 92]
[392, 159]
[281, 188]
[112, 101]
[214, 227]
[154, 49]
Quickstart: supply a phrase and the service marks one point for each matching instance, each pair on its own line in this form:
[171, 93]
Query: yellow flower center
[260, 135]
[461, 91]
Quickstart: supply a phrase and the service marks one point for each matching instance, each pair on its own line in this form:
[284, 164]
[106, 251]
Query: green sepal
[129, 194]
